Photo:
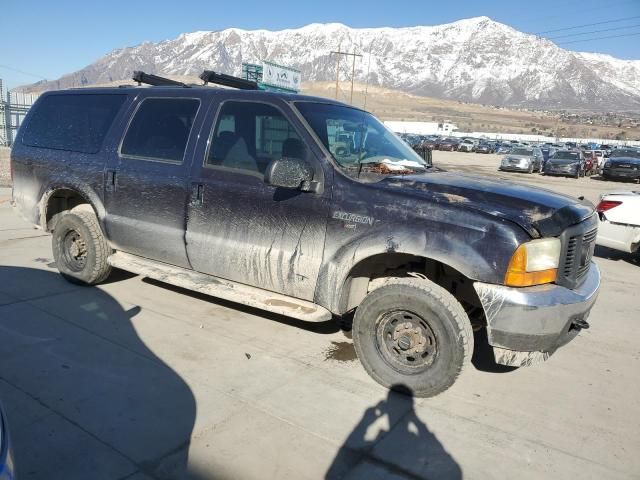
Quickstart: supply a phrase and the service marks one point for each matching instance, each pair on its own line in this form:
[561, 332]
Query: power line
[22, 72]
[593, 31]
[588, 25]
[599, 38]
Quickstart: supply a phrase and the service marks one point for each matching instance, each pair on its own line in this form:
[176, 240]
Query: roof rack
[209, 76]
[155, 80]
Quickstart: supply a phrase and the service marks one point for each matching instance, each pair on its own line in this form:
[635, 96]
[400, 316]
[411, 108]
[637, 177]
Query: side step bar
[220, 288]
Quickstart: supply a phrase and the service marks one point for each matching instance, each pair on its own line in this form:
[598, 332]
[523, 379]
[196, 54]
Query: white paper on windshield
[402, 163]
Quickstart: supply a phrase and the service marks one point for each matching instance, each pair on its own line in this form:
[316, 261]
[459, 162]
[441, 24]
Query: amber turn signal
[518, 276]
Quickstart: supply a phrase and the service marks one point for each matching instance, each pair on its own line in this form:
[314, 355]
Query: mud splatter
[341, 352]
[453, 198]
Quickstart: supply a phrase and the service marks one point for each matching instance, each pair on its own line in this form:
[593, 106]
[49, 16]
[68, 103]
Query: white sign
[279, 76]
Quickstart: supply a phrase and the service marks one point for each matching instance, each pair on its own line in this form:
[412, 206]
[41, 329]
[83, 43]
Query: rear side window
[160, 129]
[76, 123]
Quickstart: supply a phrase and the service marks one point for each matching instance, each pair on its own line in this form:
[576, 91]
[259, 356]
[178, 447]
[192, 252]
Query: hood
[563, 161]
[628, 160]
[538, 211]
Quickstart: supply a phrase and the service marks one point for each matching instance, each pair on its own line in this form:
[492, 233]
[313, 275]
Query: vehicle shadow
[600, 178]
[406, 449]
[85, 397]
[616, 255]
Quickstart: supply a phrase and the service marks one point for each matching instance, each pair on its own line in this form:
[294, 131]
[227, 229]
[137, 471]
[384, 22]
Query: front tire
[411, 333]
[79, 247]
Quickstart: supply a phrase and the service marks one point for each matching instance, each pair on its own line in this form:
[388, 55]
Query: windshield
[625, 152]
[522, 151]
[566, 156]
[359, 142]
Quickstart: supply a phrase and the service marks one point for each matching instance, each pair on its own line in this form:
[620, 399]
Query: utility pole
[338, 54]
[366, 87]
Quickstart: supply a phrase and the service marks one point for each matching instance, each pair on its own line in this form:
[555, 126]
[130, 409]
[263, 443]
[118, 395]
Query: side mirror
[290, 173]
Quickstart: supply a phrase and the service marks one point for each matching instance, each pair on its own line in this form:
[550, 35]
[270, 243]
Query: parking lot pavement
[136, 380]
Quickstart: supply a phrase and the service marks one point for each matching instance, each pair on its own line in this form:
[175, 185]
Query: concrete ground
[137, 380]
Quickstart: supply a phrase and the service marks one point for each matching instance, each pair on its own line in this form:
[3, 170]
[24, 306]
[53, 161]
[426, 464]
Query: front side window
[72, 122]
[160, 129]
[358, 142]
[247, 136]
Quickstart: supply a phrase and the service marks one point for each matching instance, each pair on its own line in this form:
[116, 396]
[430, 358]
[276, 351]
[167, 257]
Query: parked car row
[622, 164]
[503, 147]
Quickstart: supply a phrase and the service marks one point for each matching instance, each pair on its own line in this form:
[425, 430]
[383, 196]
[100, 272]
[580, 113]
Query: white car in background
[619, 226]
[467, 145]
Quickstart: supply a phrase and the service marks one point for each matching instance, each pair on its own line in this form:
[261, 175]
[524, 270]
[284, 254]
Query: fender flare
[56, 184]
[458, 252]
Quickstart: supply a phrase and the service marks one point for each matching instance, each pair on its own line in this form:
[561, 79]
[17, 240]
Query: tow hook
[580, 324]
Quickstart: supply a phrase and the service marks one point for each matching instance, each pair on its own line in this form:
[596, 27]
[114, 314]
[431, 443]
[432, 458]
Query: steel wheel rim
[74, 250]
[406, 341]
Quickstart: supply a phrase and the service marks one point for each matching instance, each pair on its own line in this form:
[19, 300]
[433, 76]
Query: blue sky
[51, 38]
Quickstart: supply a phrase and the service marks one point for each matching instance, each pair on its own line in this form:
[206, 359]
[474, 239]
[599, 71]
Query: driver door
[241, 229]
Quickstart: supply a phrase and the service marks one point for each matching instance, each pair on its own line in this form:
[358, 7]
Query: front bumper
[562, 171]
[514, 168]
[621, 173]
[528, 324]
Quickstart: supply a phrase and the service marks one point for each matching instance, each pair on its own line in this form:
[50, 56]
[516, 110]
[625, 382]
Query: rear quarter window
[75, 123]
[160, 129]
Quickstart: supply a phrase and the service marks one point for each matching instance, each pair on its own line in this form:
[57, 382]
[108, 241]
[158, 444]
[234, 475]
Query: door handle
[111, 181]
[197, 194]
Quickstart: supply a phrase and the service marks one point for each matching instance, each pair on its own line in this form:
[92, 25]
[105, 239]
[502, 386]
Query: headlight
[534, 263]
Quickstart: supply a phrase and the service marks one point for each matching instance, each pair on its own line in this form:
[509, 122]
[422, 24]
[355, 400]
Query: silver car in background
[522, 159]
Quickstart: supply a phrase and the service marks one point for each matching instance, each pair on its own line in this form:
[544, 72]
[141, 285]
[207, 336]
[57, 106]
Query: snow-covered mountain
[475, 60]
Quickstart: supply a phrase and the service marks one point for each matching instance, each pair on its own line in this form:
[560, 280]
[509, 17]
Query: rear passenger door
[146, 182]
[241, 229]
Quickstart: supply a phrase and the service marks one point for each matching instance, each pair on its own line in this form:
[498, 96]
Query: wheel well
[59, 201]
[374, 271]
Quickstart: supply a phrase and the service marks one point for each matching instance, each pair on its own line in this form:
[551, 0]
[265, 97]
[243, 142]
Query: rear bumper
[531, 323]
[625, 238]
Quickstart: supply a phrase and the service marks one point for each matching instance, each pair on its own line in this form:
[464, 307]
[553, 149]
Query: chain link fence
[13, 108]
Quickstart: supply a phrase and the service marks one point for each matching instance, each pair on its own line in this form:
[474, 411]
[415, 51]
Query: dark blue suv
[310, 208]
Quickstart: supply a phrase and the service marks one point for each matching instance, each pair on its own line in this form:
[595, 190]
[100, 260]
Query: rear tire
[79, 247]
[411, 333]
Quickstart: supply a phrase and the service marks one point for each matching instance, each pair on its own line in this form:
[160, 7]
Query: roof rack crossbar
[209, 76]
[155, 80]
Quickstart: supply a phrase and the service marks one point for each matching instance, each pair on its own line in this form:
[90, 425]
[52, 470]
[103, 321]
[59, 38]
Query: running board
[220, 288]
